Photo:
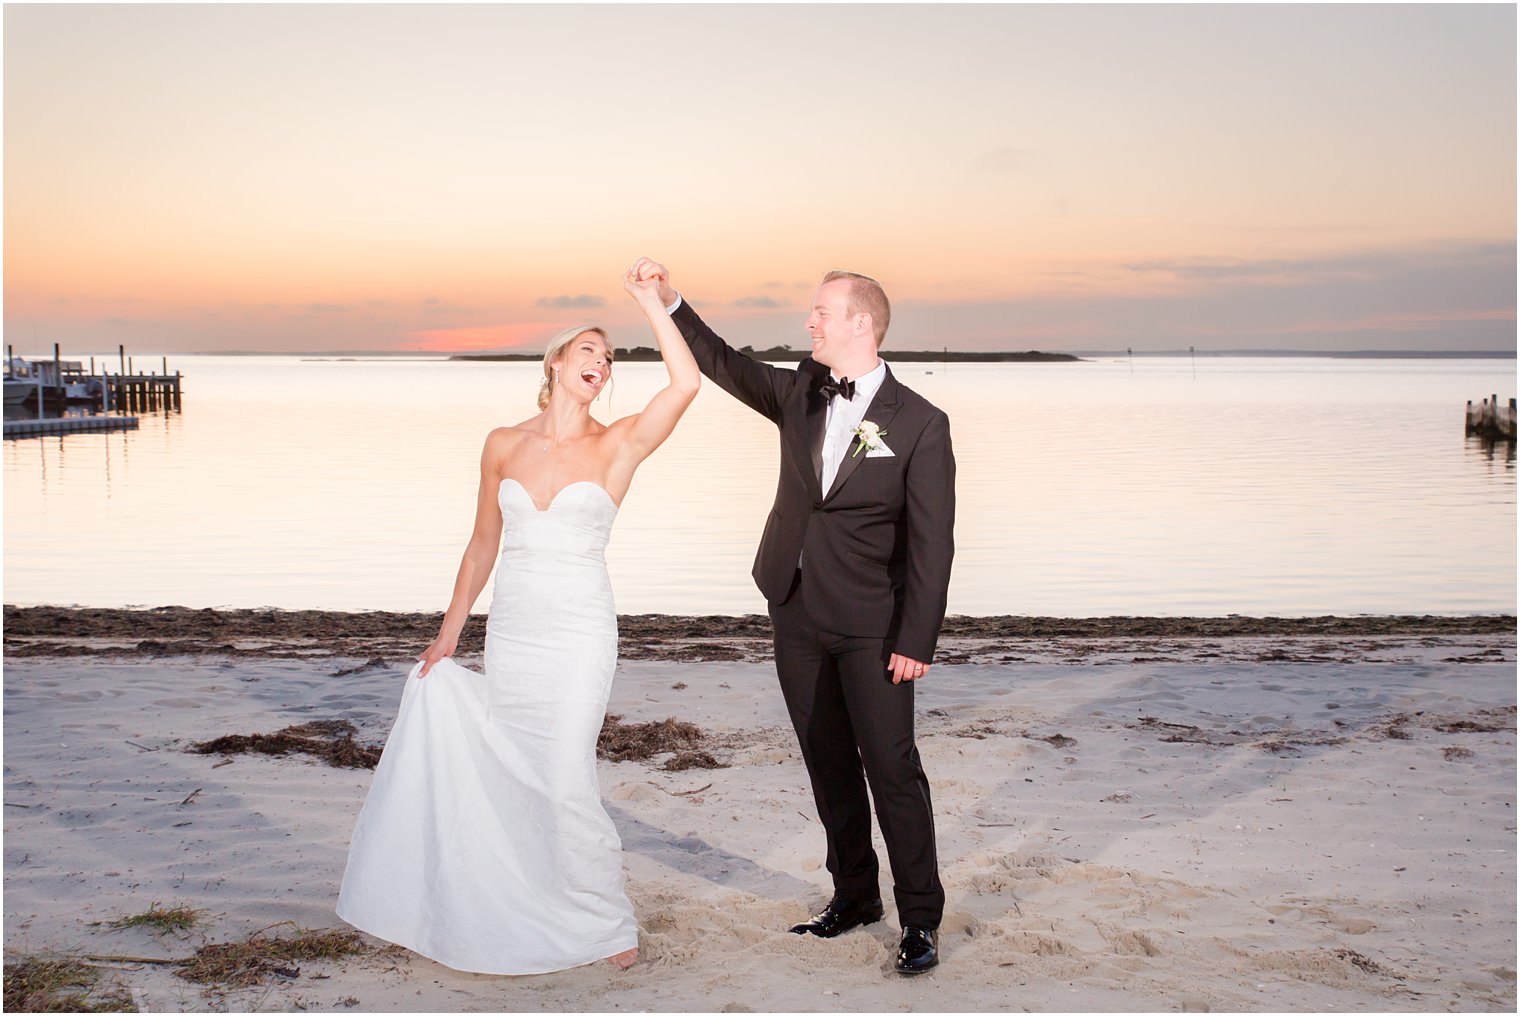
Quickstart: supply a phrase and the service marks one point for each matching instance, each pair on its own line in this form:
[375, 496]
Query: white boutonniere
[868, 437]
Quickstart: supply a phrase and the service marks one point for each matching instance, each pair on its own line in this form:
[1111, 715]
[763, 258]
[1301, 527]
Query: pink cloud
[525, 335]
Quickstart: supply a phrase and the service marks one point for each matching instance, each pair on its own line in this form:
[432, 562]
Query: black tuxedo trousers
[852, 575]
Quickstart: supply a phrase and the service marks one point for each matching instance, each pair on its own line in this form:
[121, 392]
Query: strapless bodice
[573, 529]
[552, 590]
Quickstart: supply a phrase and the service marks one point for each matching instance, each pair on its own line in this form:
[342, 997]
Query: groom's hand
[903, 669]
[645, 269]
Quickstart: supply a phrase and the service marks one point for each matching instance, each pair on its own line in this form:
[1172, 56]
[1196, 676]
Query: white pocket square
[881, 452]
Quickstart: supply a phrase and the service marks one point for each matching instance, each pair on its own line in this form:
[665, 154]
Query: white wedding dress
[483, 843]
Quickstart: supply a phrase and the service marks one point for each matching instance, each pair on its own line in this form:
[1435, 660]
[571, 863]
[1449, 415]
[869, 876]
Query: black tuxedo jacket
[877, 545]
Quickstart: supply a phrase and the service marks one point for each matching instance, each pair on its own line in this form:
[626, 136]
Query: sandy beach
[1132, 814]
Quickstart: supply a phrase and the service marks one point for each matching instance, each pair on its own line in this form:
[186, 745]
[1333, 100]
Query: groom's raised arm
[760, 386]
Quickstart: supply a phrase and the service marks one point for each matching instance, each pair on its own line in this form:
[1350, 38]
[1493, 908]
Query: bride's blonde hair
[556, 347]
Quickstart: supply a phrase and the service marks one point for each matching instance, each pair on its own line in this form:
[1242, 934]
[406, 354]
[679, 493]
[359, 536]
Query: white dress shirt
[843, 417]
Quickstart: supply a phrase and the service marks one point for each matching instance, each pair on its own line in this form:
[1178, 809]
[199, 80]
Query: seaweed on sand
[250, 961]
[161, 918]
[332, 741]
[639, 742]
[33, 984]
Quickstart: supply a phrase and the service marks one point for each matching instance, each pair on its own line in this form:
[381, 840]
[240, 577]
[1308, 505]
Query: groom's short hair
[866, 297]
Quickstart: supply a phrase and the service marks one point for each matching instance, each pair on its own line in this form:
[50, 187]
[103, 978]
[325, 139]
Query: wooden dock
[60, 383]
[68, 425]
[141, 392]
[137, 392]
[1488, 419]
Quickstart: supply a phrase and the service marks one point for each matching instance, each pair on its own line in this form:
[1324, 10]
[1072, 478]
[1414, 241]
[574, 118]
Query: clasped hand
[642, 289]
[645, 271]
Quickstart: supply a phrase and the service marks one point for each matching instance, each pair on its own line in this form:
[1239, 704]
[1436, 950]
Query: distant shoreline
[778, 354]
[781, 355]
[1327, 354]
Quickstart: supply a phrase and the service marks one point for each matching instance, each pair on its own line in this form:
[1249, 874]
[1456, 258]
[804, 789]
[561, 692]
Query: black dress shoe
[840, 916]
[919, 951]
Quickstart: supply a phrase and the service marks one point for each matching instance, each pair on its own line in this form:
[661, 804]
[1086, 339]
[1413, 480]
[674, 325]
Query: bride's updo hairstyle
[556, 348]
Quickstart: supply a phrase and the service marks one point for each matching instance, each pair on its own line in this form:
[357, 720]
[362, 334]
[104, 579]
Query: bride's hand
[645, 268]
[443, 645]
[642, 290]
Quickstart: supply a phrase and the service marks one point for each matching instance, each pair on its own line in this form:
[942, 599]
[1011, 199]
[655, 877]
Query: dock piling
[1487, 420]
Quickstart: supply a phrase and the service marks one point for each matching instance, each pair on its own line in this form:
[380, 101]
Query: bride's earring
[556, 375]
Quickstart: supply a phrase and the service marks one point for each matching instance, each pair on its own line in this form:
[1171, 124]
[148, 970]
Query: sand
[1188, 819]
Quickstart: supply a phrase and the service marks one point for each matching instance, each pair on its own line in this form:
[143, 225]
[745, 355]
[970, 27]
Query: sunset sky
[281, 178]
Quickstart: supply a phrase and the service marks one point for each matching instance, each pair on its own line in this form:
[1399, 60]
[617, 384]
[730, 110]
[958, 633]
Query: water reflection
[1492, 450]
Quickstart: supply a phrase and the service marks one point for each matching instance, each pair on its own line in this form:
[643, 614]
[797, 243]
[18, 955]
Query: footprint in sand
[1125, 942]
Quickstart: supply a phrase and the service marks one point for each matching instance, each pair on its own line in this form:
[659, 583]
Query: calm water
[1258, 486]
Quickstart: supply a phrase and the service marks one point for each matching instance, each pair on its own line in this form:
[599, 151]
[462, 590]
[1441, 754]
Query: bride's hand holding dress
[441, 647]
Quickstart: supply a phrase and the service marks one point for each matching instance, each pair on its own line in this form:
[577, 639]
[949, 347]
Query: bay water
[1276, 485]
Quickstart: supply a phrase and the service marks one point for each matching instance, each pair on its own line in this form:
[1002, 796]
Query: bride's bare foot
[624, 959]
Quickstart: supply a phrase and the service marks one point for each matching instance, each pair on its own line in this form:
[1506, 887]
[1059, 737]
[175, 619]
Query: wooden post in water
[1489, 420]
[121, 351]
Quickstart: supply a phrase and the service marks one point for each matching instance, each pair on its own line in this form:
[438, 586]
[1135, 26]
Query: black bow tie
[844, 388]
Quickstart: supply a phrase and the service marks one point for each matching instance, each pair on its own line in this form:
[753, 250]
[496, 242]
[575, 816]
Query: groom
[855, 564]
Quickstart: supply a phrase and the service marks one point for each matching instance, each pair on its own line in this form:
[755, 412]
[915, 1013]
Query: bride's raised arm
[646, 431]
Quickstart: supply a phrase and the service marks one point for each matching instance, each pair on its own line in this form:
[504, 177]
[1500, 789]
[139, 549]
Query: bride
[483, 843]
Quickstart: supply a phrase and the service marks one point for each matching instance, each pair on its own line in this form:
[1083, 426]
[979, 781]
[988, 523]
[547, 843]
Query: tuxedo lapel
[806, 442]
[818, 418]
[880, 412]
